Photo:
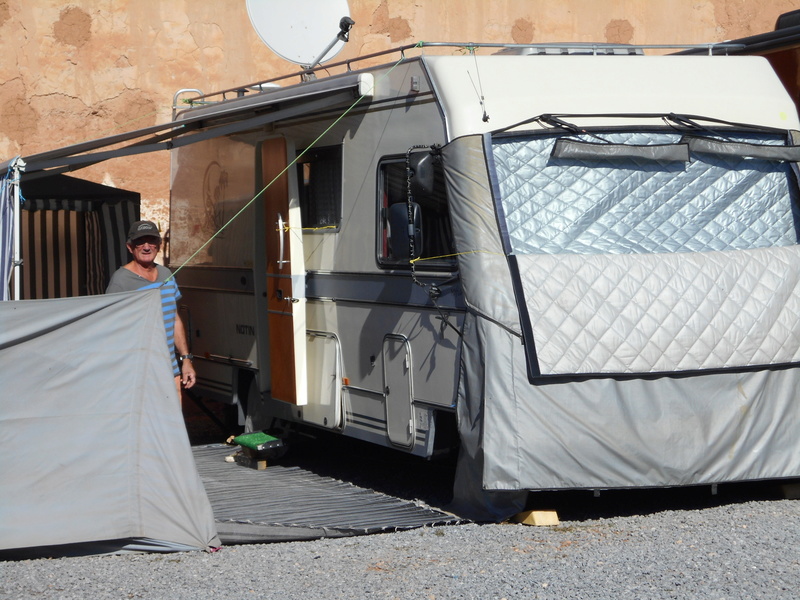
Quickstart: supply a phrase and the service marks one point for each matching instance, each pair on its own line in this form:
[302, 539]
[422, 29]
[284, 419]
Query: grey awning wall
[482, 258]
[91, 417]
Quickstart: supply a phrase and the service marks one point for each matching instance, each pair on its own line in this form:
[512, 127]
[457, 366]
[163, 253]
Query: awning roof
[63, 187]
[223, 118]
[785, 37]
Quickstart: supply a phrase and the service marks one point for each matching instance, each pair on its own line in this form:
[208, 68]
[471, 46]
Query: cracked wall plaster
[72, 73]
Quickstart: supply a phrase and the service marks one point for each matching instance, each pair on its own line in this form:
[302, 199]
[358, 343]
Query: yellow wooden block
[537, 517]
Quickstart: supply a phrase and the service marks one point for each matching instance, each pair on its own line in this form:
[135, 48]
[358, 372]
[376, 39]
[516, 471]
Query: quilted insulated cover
[632, 265]
[623, 308]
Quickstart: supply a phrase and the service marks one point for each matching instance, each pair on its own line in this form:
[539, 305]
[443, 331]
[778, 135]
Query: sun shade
[566, 148]
[742, 149]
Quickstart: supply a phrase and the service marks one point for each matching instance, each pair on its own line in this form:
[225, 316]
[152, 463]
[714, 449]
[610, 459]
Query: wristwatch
[188, 357]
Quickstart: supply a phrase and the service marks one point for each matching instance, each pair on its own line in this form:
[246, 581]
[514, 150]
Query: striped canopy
[72, 235]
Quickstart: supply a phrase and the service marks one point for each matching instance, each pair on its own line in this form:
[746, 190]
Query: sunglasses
[146, 240]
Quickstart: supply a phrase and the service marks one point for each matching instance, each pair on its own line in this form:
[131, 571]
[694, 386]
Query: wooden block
[539, 518]
[252, 463]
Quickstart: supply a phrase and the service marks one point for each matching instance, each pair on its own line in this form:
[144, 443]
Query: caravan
[580, 263]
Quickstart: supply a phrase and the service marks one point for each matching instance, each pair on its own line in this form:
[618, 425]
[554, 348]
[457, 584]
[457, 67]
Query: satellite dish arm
[345, 24]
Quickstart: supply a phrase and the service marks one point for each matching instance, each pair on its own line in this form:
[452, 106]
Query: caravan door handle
[281, 297]
[281, 231]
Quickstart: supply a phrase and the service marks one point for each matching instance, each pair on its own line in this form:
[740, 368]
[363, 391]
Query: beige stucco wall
[77, 71]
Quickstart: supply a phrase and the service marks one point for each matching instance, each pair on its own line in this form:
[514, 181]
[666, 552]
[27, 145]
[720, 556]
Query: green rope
[279, 175]
[126, 123]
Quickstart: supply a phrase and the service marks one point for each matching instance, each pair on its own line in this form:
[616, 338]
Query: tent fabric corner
[91, 431]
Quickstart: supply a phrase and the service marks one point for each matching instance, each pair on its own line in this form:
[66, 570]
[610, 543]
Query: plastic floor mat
[280, 504]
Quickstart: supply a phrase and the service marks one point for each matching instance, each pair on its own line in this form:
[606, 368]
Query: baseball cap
[141, 229]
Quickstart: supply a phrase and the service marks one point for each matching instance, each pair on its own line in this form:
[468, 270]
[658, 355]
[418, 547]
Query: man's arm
[188, 376]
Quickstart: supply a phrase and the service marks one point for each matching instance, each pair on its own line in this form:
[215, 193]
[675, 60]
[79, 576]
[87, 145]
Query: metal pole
[17, 167]
[345, 24]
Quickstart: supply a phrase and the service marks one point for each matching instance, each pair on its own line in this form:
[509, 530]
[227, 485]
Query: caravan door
[286, 303]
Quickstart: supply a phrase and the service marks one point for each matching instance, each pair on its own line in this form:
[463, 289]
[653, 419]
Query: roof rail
[347, 65]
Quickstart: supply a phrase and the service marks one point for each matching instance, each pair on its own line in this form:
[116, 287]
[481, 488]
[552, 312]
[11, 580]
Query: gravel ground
[743, 550]
[741, 543]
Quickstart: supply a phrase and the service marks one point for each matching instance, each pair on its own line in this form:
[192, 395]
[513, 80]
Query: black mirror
[400, 231]
[422, 173]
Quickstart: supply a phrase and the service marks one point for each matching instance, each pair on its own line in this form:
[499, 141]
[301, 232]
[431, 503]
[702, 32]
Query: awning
[785, 37]
[222, 118]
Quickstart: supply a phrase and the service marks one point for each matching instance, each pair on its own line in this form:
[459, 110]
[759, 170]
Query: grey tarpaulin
[579, 150]
[92, 437]
[492, 316]
[651, 429]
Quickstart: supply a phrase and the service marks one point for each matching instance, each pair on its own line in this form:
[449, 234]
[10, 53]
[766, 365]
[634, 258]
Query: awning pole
[17, 167]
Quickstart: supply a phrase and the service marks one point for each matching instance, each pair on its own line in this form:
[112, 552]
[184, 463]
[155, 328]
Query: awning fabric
[94, 444]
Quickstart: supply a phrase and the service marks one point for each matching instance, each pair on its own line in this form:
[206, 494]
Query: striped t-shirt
[124, 280]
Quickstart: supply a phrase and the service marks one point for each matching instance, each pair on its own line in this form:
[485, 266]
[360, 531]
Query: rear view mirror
[400, 230]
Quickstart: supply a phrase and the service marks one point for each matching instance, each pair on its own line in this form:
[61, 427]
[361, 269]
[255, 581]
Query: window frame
[307, 157]
[381, 227]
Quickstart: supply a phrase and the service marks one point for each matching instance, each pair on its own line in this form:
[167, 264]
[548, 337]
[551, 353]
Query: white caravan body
[600, 283]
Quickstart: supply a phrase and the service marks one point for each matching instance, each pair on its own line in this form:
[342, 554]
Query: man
[144, 242]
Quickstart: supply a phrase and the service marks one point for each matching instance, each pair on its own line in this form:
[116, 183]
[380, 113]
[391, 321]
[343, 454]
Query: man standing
[144, 242]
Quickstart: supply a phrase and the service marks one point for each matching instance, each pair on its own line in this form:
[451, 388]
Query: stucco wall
[87, 69]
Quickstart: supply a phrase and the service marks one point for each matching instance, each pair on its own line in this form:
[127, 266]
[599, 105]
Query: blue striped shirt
[170, 294]
[124, 280]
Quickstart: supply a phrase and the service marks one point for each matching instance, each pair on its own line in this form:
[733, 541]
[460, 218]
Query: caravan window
[319, 183]
[732, 194]
[433, 219]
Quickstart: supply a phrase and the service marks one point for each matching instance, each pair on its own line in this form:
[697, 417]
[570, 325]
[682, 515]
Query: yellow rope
[419, 258]
[287, 228]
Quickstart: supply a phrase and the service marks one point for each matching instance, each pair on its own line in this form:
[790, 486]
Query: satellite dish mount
[296, 30]
[345, 24]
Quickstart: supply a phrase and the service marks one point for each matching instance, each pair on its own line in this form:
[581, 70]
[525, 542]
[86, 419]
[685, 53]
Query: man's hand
[188, 376]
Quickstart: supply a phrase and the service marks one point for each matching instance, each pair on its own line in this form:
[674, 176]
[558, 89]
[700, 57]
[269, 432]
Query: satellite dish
[300, 30]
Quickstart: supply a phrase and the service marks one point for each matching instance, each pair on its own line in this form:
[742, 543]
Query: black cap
[141, 229]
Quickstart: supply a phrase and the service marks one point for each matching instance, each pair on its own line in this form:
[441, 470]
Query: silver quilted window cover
[653, 268]
[712, 203]
[653, 313]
